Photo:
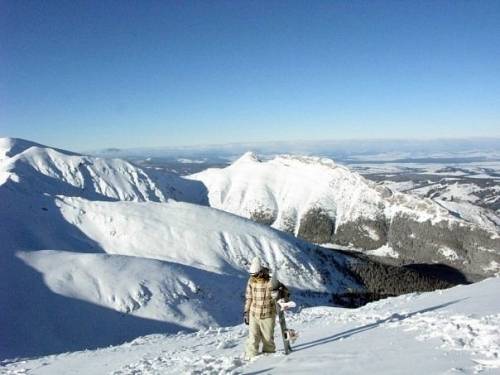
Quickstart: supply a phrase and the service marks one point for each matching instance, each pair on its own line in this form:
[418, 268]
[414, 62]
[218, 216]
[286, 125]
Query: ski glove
[245, 318]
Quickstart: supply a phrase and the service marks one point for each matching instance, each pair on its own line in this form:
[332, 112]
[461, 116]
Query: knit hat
[255, 267]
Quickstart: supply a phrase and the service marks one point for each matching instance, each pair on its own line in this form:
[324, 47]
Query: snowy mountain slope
[65, 173]
[483, 217]
[283, 190]
[166, 266]
[466, 183]
[146, 288]
[10, 147]
[192, 235]
[442, 332]
[178, 232]
[45, 170]
[223, 243]
[468, 200]
[286, 190]
[323, 202]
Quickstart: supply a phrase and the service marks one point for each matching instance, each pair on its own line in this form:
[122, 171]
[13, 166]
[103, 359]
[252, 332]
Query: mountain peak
[10, 147]
[248, 156]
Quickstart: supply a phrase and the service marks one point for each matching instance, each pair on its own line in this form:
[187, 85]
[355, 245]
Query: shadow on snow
[34, 320]
[354, 331]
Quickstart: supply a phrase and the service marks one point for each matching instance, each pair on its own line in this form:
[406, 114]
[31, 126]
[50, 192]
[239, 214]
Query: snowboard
[289, 335]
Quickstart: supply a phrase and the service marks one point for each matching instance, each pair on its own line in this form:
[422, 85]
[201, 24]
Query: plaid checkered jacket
[258, 300]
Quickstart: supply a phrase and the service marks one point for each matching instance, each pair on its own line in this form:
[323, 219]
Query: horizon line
[306, 141]
[270, 143]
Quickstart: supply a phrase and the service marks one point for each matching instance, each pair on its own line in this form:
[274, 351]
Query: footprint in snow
[227, 344]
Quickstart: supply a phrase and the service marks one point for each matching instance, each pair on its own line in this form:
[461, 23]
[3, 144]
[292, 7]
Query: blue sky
[92, 74]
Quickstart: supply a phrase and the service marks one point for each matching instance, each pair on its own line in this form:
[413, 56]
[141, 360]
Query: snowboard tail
[284, 330]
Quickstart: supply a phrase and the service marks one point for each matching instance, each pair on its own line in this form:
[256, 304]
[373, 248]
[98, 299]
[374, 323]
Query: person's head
[264, 273]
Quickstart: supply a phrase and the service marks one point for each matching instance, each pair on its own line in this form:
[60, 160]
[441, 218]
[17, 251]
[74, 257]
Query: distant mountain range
[344, 150]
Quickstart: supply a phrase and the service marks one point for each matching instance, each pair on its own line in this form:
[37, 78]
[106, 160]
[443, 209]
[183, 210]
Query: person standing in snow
[260, 309]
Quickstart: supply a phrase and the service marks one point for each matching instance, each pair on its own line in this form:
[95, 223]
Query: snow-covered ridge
[47, 170]
[10, 147]
[288, 186]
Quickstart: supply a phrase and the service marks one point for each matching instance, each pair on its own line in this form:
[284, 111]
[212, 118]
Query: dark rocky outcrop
[263, 216]
[317, 226]
[363, 233]
[289, 223]
[455, 243]
[458, 244]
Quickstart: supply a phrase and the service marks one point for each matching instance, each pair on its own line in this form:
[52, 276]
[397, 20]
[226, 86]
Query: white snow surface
[287, 187]
[384, 251]
[449, 253]
[442, 332]
[485, 218]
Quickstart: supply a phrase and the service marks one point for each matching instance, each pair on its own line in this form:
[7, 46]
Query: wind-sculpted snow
[193, 235]
[442, 332]
[147, 288]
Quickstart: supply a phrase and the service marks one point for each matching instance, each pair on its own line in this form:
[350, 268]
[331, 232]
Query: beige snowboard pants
[260, 330]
